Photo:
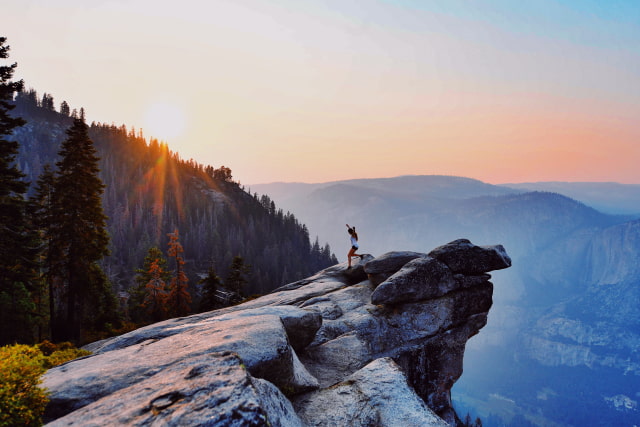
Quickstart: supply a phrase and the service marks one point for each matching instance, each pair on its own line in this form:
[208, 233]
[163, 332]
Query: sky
[313, 91]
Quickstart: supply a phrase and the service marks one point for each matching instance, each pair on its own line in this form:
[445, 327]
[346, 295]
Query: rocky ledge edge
[381, 343]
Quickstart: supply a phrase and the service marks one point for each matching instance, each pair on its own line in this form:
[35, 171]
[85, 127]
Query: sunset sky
[314, 91]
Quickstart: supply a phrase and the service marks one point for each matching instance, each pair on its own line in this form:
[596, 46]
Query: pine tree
[210, 285]
[41, 211]
[236, 279]
[179, 298]
[78, 233]
[47, 102]
[143, 276]
[155, 299]
[65, 110]
[18, 243]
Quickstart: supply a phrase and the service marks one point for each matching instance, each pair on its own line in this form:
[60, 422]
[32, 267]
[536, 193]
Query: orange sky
[315, 91]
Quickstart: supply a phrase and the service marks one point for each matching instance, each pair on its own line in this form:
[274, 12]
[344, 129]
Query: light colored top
[354, 241]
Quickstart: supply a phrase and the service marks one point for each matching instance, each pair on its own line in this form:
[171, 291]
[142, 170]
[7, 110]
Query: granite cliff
[379, 344]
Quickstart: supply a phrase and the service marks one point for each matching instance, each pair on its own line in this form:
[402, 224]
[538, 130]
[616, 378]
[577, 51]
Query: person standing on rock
[354, 244]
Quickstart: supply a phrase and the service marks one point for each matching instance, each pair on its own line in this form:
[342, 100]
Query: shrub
[59, 357]
[22, 402]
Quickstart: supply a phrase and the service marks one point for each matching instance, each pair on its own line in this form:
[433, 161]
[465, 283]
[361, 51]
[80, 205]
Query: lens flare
[165, 121]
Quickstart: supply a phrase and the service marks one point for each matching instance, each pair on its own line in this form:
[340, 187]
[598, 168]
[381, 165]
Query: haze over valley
[564, 316]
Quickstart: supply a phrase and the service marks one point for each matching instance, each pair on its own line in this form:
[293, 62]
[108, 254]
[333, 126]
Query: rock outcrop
[381, 343]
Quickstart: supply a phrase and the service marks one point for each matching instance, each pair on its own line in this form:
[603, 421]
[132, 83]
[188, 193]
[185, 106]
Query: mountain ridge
[150, 191]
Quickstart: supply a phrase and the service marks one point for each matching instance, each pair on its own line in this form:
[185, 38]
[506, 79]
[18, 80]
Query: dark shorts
[355, 248]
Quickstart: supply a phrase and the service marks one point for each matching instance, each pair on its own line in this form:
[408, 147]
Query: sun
[164, 121]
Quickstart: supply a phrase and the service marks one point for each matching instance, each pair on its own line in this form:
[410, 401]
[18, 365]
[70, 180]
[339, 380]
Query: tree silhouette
[41, 205]
[210, 285]
[18, 245]
[179, 298]
[78, 233]
[236, 279]
[138, 295]
[155, 299]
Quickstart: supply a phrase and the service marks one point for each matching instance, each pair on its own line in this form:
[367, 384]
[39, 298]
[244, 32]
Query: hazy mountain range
[561, 345]
[609, 197]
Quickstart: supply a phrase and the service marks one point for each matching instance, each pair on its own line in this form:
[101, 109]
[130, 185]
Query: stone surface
[379, 269]
[376, 395]
[300, 326]
[213, 389]
[420, 279]
[462, 256]
[344, 351]
[259, 339]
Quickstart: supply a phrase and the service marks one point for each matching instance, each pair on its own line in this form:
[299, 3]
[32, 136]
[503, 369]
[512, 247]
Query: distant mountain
[418, 212]
[561, 344]
[609, 197]
[407, 186]
[150, 192]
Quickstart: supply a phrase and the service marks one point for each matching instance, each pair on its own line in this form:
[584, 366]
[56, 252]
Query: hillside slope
[150, 192]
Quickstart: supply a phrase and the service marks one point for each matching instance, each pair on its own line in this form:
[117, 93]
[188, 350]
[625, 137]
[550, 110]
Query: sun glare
[164, 121]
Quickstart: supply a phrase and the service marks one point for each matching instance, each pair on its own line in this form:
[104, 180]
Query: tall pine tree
[41, 211]
[78, 237]
[179, 299]
[155, 298]
[138, 299]
[18, 245]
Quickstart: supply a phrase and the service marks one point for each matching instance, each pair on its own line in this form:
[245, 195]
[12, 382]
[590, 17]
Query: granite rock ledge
[381, 343]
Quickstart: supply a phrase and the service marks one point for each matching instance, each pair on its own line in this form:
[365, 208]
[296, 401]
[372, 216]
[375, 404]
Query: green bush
[22, 402]
[59, 357]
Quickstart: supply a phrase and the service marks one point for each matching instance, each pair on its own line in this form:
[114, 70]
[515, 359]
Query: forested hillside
[150, 192]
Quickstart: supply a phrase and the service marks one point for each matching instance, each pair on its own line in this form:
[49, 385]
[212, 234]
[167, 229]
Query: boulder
[462, 256]
[259, 339]
[379, 269]
[419, 279]
[300, 326]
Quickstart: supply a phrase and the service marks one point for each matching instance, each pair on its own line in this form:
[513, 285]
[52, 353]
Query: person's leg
[350, 254]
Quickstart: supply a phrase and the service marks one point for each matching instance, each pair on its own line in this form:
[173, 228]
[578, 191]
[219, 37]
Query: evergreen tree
[144, 275]
[155, 299]
[237, 277]
[78, 233]
[18, 244]
[210, 284]
[65, 110]
[47, 102]
[41, 212]
[179, 298]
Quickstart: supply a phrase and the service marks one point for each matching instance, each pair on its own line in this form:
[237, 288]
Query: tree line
[101, 199]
